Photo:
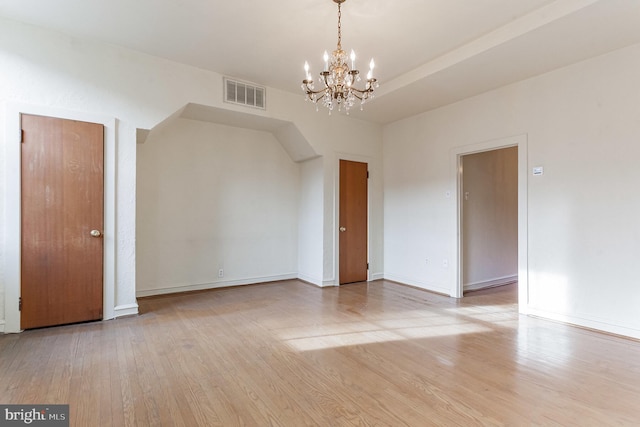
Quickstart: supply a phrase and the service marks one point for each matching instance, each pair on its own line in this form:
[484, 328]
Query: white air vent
[237, 92]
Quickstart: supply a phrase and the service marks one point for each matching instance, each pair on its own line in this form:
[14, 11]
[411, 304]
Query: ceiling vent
[242, 93]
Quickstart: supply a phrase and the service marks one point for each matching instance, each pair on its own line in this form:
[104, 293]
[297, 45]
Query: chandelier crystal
[339, 78]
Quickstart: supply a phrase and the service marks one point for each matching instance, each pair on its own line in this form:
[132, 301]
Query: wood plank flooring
[290, 354]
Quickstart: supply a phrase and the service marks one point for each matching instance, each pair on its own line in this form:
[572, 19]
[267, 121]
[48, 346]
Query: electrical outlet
[426, 260]
[221, 273]
[445, 263]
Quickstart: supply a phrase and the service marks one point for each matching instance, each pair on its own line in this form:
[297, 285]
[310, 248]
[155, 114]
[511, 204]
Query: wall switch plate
[445, 263]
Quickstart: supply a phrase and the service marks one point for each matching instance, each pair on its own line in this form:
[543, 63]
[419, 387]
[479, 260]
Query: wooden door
[353, 222]
[62, 205]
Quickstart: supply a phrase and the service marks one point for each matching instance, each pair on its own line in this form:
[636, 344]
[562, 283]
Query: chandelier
[339, 79]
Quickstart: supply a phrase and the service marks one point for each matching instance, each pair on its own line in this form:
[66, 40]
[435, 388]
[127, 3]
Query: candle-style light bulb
[353, 60]
[371, 67]
[306, 70]
[326, 60]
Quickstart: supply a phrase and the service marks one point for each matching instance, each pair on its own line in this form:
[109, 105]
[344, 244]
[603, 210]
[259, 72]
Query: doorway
[457, 154]
[62, 221]
[489, 220]
[353, 226]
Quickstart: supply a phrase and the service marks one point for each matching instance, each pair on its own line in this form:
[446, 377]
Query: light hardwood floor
[291, 354]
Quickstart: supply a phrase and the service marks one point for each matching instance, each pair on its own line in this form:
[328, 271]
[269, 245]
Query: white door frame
[12, 203]
[519, 141]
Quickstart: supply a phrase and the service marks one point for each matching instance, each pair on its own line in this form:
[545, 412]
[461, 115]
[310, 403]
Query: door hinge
[21, 135]
[367, 266]
[367, 174]
[20, 304]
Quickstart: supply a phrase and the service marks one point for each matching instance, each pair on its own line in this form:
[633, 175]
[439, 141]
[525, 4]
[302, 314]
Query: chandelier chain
[339, 27]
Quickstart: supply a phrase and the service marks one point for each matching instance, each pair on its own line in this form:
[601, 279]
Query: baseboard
[500, 281]
[376, 276]
[598, 325]
[334, 282]
[417, 284]
[125, 310]
[311, 280]
[328, 283]
[214, 285]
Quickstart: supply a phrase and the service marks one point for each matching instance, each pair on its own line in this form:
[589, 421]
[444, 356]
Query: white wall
[48, 69]
[583, 235]
[310, 223]
[214, 197]
[490, 218]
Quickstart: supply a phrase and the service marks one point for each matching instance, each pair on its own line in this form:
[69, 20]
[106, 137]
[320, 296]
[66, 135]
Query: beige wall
[581, 124]
[214, 197]
[46, 69]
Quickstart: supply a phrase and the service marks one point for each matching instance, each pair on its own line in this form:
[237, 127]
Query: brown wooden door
[62, 202]
[353, 222]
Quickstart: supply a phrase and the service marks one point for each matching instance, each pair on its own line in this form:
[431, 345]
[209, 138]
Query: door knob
[96, 233]
[343, 229]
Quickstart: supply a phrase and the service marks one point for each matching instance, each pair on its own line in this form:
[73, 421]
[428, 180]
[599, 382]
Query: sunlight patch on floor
[501, 308]
[318, 338]
[327, 330]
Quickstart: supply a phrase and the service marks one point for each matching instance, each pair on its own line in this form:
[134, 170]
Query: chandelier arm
[325, 79]
[309, 91]
[315, 92]
[361, 95]
[361, 92]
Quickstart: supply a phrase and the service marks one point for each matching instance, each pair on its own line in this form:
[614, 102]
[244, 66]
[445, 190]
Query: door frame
[336, 213]
[519, 141]
[12, 203]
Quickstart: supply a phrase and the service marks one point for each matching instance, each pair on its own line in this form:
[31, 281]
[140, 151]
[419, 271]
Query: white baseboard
[119, 311]
[417, 283]
[125, 310]
[600, 325]
[376, 276]
[312, 280]
[313, 284]
[214, 285]
[500, 281]
[334, 282]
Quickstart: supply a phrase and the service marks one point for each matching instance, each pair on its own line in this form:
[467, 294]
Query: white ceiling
[428, 53]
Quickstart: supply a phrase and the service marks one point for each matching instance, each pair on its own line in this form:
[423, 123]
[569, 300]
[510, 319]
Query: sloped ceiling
[287, 133]
[428, 53]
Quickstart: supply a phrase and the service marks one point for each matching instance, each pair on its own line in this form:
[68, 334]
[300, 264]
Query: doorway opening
[491, 242]
[489, 231]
